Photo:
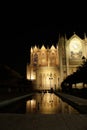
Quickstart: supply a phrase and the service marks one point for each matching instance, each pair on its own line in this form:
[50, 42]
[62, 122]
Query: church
[48, 67]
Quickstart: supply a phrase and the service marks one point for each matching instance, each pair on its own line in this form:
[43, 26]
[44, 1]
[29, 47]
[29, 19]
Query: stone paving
[43, 122]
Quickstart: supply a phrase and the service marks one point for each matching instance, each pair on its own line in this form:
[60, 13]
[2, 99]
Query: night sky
[16, 39]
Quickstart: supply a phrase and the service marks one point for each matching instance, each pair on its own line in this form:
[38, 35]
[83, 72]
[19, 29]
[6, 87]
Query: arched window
[35, 59]
[44, 58]
[52, 58]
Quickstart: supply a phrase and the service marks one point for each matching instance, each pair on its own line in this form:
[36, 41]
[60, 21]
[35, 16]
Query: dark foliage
[80, 76]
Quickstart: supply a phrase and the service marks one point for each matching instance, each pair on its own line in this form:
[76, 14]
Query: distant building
[49, 66]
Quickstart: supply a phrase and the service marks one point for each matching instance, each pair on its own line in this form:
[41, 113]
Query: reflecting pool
[48, 103]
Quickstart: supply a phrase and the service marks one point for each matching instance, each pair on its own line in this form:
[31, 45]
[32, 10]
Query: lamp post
[50, 78]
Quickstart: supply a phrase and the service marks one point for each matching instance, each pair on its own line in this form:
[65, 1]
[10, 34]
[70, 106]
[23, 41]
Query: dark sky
[16, 40]
[25, 24]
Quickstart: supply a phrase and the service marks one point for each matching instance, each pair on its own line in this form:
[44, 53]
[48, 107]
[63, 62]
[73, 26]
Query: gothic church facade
[48, 67]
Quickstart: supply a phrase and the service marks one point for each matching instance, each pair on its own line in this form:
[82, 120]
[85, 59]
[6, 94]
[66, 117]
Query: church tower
[73, 50]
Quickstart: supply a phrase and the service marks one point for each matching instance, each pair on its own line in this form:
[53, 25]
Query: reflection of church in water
[49, 66]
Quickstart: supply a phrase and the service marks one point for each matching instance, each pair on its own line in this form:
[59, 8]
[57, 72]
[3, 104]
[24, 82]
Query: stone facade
[49, 66]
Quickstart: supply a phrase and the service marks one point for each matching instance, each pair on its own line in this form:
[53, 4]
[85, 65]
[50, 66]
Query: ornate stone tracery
[49, 66]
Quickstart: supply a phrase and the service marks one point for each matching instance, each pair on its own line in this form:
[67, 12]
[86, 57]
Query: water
[48, 103]
[44, 103]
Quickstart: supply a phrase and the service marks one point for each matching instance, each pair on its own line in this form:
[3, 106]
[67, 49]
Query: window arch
[43, 58]
[35, 59]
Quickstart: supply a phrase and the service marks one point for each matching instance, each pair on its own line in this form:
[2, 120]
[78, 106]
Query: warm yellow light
[30, 105]
[33, 102]
[75, 45]
[32, 77]
[28, 76]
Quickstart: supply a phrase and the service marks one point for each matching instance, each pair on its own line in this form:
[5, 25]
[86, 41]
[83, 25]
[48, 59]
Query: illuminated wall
[49, 66]
[47, 78]
[44, 67]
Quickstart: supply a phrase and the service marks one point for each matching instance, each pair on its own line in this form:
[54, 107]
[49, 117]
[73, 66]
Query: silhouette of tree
[80, 76]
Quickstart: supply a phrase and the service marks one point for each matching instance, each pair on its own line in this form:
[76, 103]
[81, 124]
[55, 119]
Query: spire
[84, 35]
[43, 47]
[35, 48]
[52, 47]
[65, 37]
[31, 50]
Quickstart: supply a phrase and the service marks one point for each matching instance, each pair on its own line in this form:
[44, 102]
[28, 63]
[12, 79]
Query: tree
[80, 76]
